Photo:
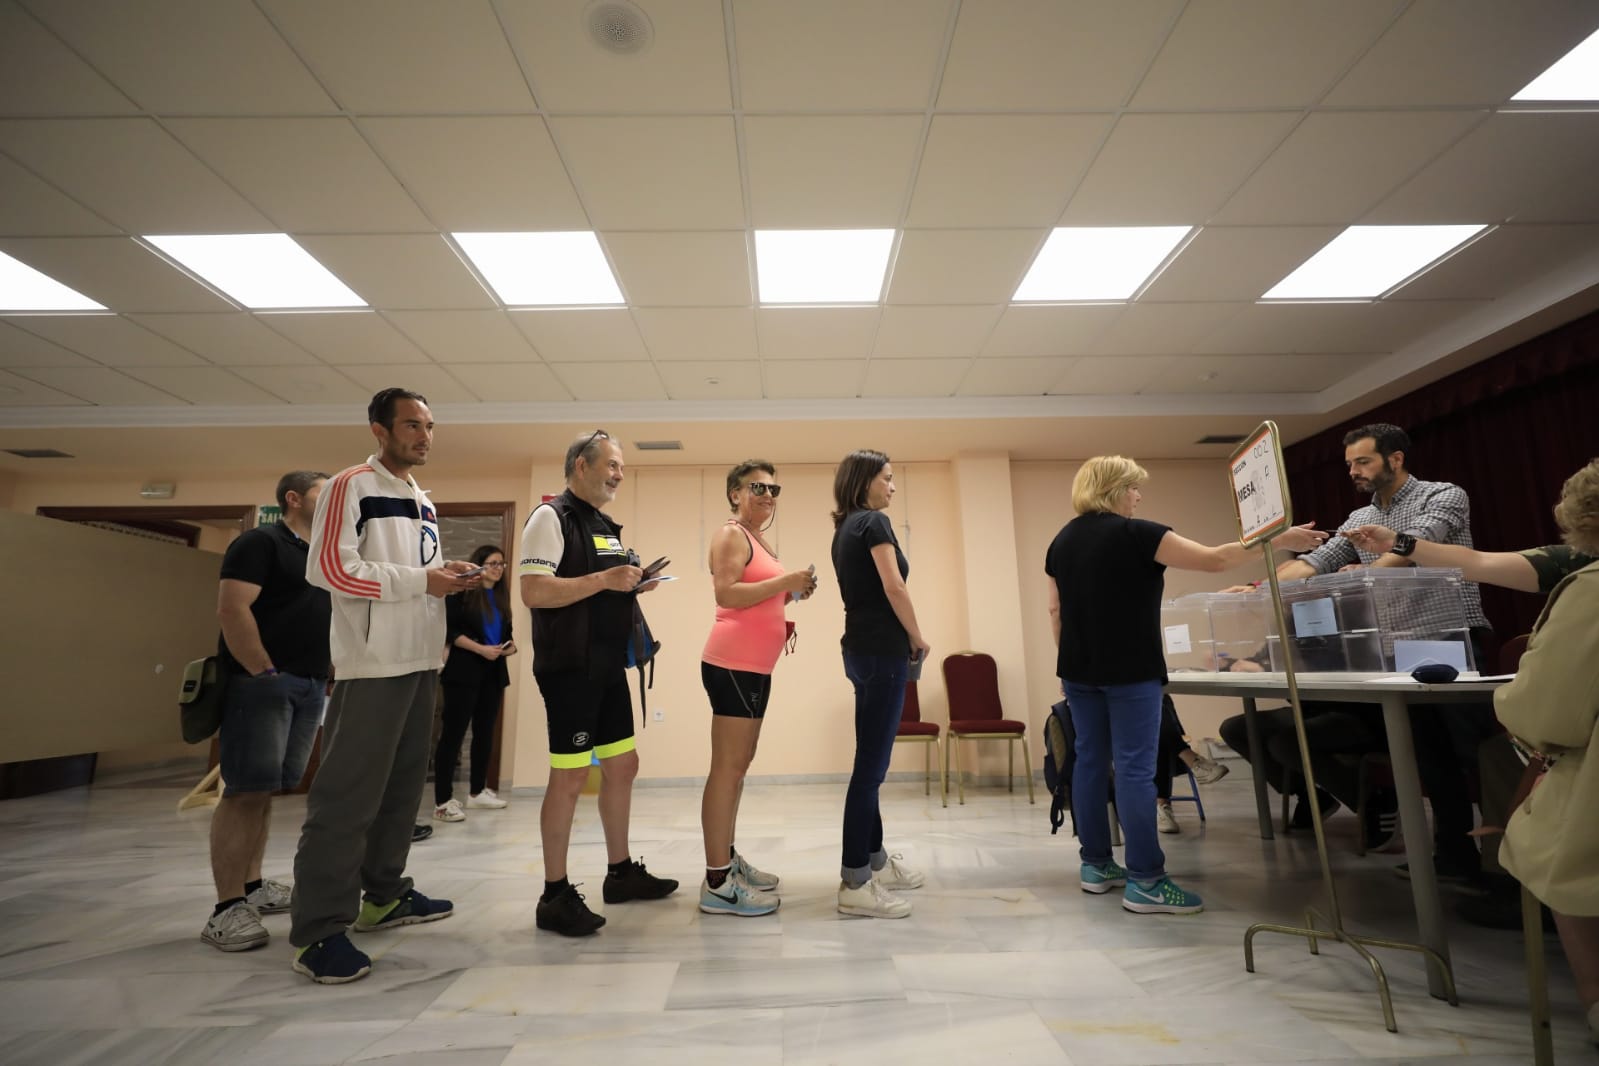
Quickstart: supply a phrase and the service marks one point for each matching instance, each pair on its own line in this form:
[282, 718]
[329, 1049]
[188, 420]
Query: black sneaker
[567, 914]
[635, 882]
[420, 832]
[334, 961]
[1301, 816]
[1382, 821]
[1498, 906]
[1448, 871]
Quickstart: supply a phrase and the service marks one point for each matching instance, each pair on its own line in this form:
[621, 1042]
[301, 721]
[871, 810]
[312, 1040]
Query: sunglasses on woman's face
[765, 488]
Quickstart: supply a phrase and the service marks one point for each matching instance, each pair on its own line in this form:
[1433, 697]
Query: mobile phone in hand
[655, 568]
[474, 572]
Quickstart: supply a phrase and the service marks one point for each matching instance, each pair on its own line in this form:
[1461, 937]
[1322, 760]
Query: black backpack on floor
[1060, 757]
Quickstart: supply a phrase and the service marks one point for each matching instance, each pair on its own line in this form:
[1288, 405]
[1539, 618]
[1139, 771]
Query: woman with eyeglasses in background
[478, 635]
[752, 593]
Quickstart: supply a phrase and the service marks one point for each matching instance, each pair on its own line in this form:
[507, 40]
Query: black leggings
[479, 706]
[1171, 744]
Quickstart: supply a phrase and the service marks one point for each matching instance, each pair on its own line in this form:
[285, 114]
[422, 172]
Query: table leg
[1262, 799]
[1418, 835]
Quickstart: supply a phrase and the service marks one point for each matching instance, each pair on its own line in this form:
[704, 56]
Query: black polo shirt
[292, 614]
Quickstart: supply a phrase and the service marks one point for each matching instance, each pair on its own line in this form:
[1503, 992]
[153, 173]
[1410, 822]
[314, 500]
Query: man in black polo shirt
[274, 646]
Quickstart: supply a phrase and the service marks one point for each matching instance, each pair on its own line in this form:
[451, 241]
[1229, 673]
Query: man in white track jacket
[375, 548]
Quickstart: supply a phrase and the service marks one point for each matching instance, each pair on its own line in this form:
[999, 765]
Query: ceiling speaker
[618, 26]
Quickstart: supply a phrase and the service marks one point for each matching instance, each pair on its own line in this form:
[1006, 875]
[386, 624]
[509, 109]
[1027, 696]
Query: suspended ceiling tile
[672, 333]
[813, 379]
[1502, 169]
[1572, 197]
[1505, 260]
[962, 266]
[838, 55]
[577, 335]
[102, 386]
[682, 269]
[816, 332]
[483, 174]
[1054, 56]
[39, 75]
[1245, 374]
[118, 272]
[309, 175]
[409, 271]
[918, 378]
[1025, 330]
[1165, 170]
[1254, 53]
[934, 332]
[712, 380]
[1337, 165]
[203, 385]
[307, 384]
[131, 172]
[1013, 377]
[1361, 328]
[592, 382]
[109, 339]
[514, 382]
[1111, 375]
[406, 56]
[209, 57]
[20, 392]
[1162, 329]
[18, 347]
[345, 338]
[1233, 263]
[654, 173]
[829, 172]
[435, 382]
[1002, 170]
[30, 207]
[1464, 52]
[466, 336]
[235, 339]
[683, 69]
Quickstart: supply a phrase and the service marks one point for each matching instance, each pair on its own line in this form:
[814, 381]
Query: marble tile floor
[103, 893]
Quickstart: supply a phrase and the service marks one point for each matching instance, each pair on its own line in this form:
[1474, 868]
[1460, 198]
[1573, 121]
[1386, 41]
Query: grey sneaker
[271, 898]
[759, 880]
[1208, 771]
[238, 928]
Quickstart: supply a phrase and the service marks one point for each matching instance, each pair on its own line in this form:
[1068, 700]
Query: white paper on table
[1177, 640]
[1315, 618]
[1409, 654]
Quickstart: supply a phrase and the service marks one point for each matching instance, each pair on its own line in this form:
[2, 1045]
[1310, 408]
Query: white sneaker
[487, 799]
[897, 876]
[238, 928]
[271, 898]
[1165, 820]
[871, 900]
[1208, 771]
[449, 811]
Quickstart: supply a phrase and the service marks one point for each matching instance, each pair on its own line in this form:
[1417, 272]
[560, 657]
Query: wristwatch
[1404, 544]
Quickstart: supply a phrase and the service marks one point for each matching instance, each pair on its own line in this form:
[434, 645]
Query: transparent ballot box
[1374, 620]
[1207, 630]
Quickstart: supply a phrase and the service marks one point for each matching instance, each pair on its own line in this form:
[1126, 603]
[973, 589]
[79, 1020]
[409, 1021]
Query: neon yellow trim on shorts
[611, 751]
[573, 761]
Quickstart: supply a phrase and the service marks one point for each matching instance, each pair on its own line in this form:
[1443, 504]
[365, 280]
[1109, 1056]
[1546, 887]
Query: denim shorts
[268, 727]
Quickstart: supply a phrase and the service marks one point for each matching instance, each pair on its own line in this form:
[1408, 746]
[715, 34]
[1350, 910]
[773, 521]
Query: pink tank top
[750, 638]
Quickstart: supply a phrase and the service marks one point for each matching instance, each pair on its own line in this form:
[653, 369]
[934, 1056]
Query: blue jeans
[879, 682]
[268, 726]
[1120, 722]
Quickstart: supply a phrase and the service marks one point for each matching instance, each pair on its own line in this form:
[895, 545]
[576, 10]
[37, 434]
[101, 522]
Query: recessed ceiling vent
[658, 445]
[1222, 438]
[37, 453]
[618, 26]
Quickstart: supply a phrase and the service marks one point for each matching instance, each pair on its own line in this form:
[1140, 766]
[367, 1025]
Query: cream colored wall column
[991, 573]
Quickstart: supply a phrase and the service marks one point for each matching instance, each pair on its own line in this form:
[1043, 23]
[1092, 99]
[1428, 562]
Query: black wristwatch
[1404, 544]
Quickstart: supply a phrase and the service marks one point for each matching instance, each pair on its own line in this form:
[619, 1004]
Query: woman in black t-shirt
[881, 639]
[1107, 572]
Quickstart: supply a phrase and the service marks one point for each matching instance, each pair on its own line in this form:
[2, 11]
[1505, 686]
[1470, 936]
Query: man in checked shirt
[1437, 511]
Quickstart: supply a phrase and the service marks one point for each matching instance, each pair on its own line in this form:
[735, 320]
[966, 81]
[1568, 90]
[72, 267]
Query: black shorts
[586, 715]
[736, 693]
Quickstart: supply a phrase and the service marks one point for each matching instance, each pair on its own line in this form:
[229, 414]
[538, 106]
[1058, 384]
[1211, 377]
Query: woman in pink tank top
[752, 591]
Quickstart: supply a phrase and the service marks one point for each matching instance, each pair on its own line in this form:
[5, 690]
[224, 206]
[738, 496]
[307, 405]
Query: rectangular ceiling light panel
[564, 269]
[23, 288]
[1574, 77]
[1363, 262]
[1097, 263]
[260, 271]
[834, 266]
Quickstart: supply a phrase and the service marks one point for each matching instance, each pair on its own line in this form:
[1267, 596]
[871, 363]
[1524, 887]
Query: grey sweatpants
[363, 803]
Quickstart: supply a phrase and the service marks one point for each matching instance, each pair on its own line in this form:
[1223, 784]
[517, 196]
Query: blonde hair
[1577, 513]
[1101, 481]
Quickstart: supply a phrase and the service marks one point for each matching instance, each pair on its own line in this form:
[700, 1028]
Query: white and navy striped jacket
[373, 540]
